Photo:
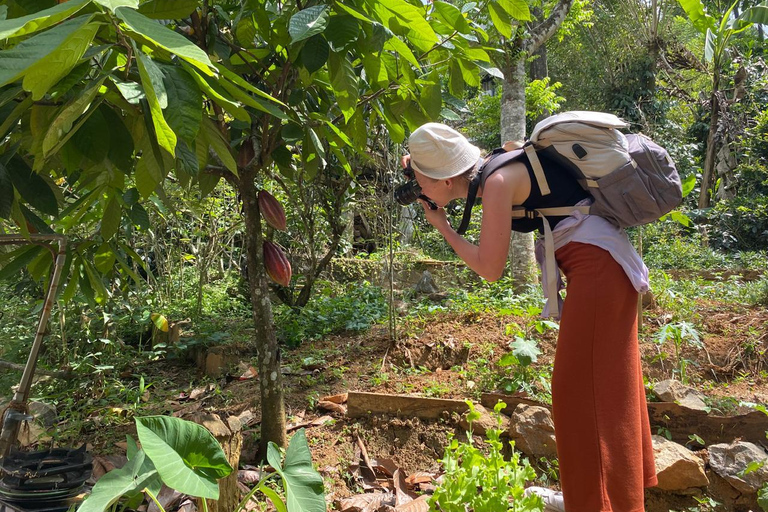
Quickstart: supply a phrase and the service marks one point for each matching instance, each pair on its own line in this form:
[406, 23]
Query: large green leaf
[303, 484]
[34, 189]
[43, 74]
[17, 60]
[112, 5]
[117, 483]
[238, 80]
[91, 138]
[500, 20]
[166, 38]
[214, 93]
[698, 15]
[186, 455]
[186, 102]
[168, 9]
[40, 20]
[6, 193]
[149, 169]
[120, 151]
[12, 262]
[110, 221]
[308, 22]
[526, 350]
[757, 14]
[452, 16]
[165, 136]
[431, 98]
[396, 45]
[343, 82]
[73, 109]
[710, 45]
[517, 9]
[342, 30]
[220, 145]
[314, 53]
[398, 14]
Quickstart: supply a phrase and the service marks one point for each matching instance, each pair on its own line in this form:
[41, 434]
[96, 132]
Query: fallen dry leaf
[337, 399]
[332, 407]
[366, 502]
[420, 477]
[420, 504]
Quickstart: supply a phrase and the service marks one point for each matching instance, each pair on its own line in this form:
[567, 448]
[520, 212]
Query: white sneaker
[553, 500]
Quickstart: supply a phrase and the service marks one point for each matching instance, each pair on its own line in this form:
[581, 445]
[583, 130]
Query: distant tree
[718, 41]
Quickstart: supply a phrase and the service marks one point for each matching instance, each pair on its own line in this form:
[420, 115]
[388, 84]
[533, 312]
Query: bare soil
[434, 357]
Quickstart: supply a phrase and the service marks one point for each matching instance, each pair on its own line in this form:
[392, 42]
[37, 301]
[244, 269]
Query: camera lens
[408, 192]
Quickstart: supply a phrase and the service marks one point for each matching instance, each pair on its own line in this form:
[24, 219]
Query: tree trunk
[521, 256]
[708, 171]
[230, 438]
[268, 352]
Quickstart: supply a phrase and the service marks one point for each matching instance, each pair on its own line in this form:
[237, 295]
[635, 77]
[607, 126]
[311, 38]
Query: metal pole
[12, 419]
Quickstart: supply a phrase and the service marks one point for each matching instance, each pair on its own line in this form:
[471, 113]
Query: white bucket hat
[440, 152]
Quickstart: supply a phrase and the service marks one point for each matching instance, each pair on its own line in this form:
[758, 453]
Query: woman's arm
[489, 258]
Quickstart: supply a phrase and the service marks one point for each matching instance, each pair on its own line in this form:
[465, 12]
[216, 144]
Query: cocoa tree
[104, 101]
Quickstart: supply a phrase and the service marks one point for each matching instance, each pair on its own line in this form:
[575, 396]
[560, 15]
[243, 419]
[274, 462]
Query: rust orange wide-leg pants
[598, 400]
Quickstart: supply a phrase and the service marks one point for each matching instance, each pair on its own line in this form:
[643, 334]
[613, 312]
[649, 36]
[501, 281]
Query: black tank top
[564, 191]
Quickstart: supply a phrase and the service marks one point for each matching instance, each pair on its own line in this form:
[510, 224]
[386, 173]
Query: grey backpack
[632, 180]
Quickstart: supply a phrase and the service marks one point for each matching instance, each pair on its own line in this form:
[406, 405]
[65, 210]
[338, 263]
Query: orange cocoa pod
[271, 210]
[246, 154]
[277, 265]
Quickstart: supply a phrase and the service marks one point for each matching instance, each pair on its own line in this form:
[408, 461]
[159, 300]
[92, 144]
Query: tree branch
[543, 31]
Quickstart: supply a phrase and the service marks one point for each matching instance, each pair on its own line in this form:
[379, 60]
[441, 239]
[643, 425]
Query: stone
[44, 413]
[426, 284]
[532, 430]
[485, 422]
[677, 468]
[730, 460]
[676, 392]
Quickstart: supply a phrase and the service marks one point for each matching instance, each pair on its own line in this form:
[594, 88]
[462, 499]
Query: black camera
[410, 191]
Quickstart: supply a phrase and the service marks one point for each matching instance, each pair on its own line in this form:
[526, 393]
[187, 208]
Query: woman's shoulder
[513, 179]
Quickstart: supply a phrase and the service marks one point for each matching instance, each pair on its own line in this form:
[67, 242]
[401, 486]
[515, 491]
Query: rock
[44, 413]
[677, 392]
[532, 430]
[677, 468]
[426, 284]
[730, 460]
[485, 422]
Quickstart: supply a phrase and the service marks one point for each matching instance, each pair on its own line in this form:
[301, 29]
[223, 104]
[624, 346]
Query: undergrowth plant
[478, 480]
[186, 457]
[681, 334]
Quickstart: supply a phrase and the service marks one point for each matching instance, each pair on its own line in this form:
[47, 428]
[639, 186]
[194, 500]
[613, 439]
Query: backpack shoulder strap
[502, 159]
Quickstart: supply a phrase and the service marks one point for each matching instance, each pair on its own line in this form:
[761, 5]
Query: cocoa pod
[246, 154]
[277, 265]
[271, 210]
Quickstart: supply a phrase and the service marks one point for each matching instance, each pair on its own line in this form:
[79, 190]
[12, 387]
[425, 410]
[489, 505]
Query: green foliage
[352, 309]
[483, 480]
[541, 98]
[303, 485]
[681, 334]
[178, 453]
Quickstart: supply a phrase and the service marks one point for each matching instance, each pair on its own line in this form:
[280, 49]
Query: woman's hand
[437, 217]
[405, 161]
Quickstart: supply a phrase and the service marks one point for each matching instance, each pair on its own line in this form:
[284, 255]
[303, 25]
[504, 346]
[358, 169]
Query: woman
[598, 399]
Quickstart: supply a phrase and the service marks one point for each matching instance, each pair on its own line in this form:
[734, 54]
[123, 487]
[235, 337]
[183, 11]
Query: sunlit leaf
[168, 9]
[186, 455]
[308, 22]
[40, 20]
